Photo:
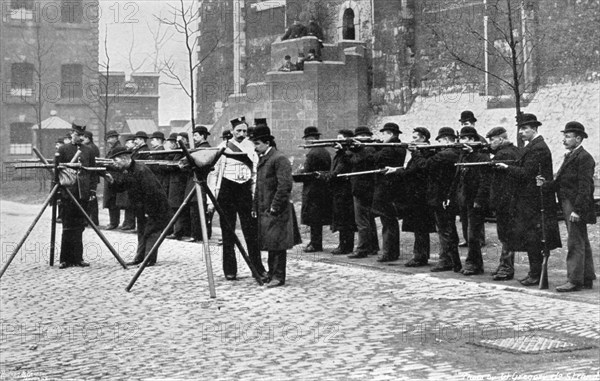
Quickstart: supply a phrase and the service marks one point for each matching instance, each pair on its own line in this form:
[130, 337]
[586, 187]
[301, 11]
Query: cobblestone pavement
[331, 321]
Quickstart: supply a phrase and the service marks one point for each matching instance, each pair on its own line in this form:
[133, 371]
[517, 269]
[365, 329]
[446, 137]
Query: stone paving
[332, 321]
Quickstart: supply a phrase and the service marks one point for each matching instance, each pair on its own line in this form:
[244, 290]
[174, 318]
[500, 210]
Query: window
[71, 11]
[72, 85]
[21, 10]
[20, 138]
[21, 79]
[348, 32]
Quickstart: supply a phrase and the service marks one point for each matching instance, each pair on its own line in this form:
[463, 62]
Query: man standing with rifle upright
[574, 184]
[536, 159]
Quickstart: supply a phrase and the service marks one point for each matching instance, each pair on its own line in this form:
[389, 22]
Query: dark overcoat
[472, 184]
[145, 192]
[361, 159]
[387, 188]
[536, 156]
[177, 182]
[111, 199]
[575, 182]
[273, 189]
[441, 171]
[341, 190]
[418, 216]
[316, 197]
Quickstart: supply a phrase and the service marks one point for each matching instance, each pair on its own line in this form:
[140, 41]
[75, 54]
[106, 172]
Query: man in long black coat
[342, 216]
[386, 190]
[316, 198]
[441, 169]
[73, 221]
[411, 204]
[177, 185]
[149, 201]
[536, 160]
[88, 139]
[472, 190]
[574, 184]
[363, 187]
[502, 192]
[110, 198]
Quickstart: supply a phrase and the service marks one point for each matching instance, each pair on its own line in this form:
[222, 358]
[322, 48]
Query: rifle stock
[544, 273]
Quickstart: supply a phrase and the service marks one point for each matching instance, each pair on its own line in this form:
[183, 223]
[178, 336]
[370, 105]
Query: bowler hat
[287, 57]
[311, 131]
[227, 135]
[262, 132]
[469, 131]
[141, 134]
[259, 121]
[60, 140]
[129, 137]
[528, 120]
[236, 121]
[184, 135]
[118, 151]
[362, 130]
[157, 135]
[172, 136]
[392, 127]
[495, 132]
[88, 134]
[576, 127]
[111, 133]
[346, 133]
[202, 130]
[446, 131]
[423, 131]
[467, 116]
[78, 126]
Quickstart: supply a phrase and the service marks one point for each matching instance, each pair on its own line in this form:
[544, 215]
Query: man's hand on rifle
[574, 217]
[501, 165]
[392, 170]
[446, 204]
[108, 177]
[539, 180]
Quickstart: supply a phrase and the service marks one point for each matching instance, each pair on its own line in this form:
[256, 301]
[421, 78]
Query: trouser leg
[277, 265]
[114, 215]
[421, 247]
[316, 236]
[391, 237]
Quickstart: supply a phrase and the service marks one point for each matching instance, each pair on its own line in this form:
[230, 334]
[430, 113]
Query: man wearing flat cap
[316, 198]
[502, 193]
[233, 185]
[148, 198]
[73, 221]
[536, 159]
[112, 200]
[92, 210]
[363, 188]
[574, 184]
[417, 216]
[386, 192]
[441, 169]
[471, 186]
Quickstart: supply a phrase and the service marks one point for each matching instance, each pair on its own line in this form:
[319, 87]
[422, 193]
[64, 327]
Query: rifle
[484, 163]
[374, 171]
[61, 166]
[302, 177]
[474, 145]
[167, 151]
[544, 273]
[167, 163]
[343, 142]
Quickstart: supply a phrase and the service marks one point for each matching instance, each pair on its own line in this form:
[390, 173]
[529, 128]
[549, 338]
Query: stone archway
[349, 21]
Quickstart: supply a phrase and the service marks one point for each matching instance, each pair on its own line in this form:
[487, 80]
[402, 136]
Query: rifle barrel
[361, 173]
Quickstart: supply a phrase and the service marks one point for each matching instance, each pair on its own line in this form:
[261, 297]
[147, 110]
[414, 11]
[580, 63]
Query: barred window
[21, 79]
[72, 81]
[20, 138]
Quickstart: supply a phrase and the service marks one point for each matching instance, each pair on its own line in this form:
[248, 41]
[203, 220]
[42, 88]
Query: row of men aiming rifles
[461, 173]
[458, 174]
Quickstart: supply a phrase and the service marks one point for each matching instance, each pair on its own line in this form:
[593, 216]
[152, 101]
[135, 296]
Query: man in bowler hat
[574, 184]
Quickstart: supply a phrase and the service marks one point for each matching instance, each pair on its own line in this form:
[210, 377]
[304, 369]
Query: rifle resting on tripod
[485, 163]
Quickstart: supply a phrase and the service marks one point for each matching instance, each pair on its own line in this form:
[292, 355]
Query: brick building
[49, 61]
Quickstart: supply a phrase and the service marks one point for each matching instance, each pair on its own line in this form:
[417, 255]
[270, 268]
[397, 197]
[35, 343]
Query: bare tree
[134, 68]
[160, 37]
[185, 20]
[502, 34]
[99, 100]
[40, 50]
